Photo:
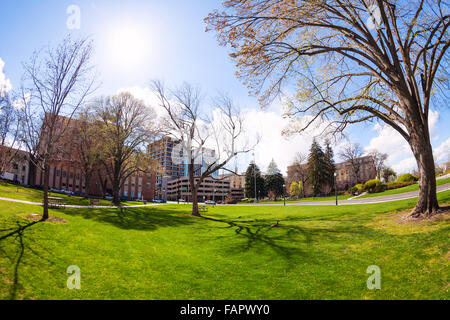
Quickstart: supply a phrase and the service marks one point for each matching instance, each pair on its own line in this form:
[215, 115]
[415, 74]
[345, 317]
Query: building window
[148, 185]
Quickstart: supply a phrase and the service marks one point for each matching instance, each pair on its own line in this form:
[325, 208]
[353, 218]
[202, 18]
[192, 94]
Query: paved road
[380, 199]
[74, 206]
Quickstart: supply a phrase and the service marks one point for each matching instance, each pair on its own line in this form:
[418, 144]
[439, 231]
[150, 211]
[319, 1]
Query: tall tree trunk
[195, 211]
[46, 183]
[427, 204]
[116, 199]
[194, 190]
[116, 185]
[87, 182]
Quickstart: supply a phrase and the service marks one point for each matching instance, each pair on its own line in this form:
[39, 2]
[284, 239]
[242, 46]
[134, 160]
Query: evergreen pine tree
[253, 170]
[317, 167]
[274, 180]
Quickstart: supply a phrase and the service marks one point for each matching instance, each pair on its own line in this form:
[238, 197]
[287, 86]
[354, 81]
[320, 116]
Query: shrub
[356, 189]
[407, 177]
[373, 186]
[396, 185]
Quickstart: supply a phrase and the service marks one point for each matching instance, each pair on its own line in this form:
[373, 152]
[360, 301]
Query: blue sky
[172, 46]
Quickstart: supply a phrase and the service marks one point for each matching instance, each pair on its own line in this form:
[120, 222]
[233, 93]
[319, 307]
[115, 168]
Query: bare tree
[8, 131]
[88, 146]
[56, 83]
[351, 154]
[300, 171]
[124, 126]
[184, 123]
[379, 159]
[353, 60]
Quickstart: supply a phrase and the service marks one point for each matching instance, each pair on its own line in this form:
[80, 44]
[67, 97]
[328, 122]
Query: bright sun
[128, 46]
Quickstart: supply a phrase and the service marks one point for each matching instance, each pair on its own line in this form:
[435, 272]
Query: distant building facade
[172, 163]
[210, 189]
[18, 169]
[237, 184]
[348, 174]
[66, 171]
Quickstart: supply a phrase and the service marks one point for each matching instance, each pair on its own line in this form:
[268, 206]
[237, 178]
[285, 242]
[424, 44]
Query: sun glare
[128, 46]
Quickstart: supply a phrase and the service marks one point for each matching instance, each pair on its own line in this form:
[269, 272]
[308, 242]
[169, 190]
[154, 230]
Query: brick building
[237, 184]
[351, 173]
[66, 172]
[348, 174]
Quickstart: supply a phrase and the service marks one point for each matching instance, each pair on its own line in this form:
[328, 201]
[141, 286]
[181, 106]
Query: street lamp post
[335, 189]
[284, 194]
[254, 176]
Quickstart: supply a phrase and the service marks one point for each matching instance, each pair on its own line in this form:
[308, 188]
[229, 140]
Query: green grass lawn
[409, 188]
[36, 195]
[163, 253]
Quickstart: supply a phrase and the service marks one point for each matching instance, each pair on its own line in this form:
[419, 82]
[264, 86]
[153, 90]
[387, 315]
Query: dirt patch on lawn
[395, 223]
[51, 219]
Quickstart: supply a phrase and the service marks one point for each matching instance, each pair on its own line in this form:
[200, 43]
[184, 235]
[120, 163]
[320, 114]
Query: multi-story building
[210, 189]
[66, 171]
[17, 168]
[349, 173]
[172, 160]
[237, 184]
[353, 172]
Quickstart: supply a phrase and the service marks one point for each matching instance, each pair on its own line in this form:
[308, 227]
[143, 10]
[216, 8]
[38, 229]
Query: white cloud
[399, 153]
[273, 145]
[442, 153]
[5, 84]
[405, 165]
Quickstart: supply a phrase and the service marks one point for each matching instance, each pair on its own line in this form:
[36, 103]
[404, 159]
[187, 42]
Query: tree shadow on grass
[145, 219]
[17, 235]
[288, 239]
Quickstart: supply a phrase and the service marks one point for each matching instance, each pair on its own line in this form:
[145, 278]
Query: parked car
[159, 201]
[210, 202]
[68, 192]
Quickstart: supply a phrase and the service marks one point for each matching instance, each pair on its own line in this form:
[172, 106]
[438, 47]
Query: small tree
[296, 189]
[300, 171]
[351, 154]
[379, 159]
